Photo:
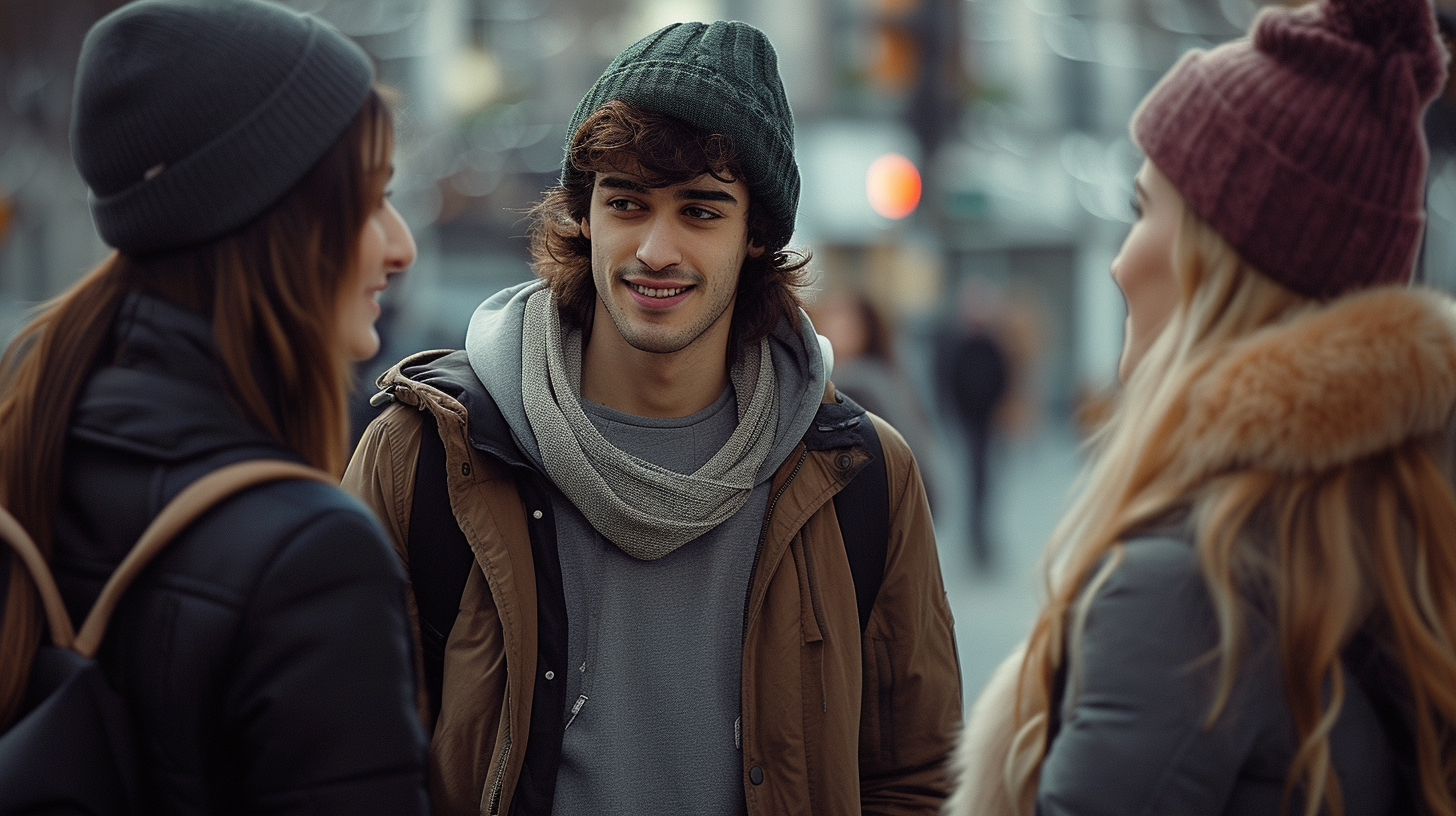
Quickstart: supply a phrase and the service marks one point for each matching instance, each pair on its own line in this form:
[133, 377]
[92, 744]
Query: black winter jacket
[265, 655]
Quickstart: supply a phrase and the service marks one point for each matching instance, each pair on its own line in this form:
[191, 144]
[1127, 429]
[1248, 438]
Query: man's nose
[660, 247]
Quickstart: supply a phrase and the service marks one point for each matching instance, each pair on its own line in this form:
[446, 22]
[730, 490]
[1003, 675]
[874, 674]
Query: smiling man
[652, 571]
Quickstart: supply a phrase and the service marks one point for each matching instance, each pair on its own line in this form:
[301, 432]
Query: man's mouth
[648, 291]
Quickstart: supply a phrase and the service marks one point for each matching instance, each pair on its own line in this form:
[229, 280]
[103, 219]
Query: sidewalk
[1030, 482]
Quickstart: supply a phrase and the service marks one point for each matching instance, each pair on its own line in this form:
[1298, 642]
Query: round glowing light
[893, 185]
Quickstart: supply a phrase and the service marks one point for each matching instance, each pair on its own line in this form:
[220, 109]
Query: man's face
[666, 260]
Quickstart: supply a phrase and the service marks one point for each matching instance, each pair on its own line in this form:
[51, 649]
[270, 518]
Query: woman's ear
[586, 229]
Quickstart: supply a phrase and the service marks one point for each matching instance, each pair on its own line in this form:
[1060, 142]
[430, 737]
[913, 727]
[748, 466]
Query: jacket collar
[1331, 385]
[161, 395]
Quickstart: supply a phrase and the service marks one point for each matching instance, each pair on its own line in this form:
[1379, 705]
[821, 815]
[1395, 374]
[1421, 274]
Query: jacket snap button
[550, 675]
[843, 461]
[755, 775]
[537, 515]
[465, 468]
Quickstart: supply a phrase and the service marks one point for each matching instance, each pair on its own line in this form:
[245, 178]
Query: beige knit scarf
[646, 510]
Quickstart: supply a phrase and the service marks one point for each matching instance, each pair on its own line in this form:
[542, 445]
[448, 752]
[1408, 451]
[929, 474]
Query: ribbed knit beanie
[193, 117]
[722, 78]
[1301, 144]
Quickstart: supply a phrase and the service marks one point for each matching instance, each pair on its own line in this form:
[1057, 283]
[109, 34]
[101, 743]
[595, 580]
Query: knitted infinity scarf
[646, 510]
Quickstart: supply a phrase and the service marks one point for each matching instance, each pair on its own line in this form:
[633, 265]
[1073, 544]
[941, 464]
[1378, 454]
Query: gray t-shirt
[655, 647]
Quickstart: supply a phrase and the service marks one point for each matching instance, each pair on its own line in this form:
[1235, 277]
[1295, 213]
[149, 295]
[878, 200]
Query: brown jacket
[832, 722]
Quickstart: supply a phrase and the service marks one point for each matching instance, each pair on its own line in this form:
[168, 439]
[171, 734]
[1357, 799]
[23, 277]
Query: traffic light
[914, 55]
[895, 47]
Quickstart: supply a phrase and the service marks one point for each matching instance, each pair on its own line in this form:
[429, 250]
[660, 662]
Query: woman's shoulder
[306, 531]
[1160, 564]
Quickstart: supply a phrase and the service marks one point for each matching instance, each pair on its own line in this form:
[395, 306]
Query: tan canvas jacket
[832, 722]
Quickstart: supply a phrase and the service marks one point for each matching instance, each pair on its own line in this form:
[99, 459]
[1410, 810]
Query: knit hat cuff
[234, 178]
[1293, 226]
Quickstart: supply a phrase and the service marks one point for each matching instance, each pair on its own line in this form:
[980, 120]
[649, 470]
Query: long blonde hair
[1331, 549]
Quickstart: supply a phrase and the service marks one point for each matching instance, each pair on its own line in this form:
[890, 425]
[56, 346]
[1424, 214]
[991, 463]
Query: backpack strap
[863, 508]
[192, 502]
[439, 558]
[62, 634]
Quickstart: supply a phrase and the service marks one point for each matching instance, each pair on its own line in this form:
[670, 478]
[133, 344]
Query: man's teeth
[658, 293]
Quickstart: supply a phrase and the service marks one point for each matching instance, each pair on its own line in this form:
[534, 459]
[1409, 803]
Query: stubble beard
[667, 341]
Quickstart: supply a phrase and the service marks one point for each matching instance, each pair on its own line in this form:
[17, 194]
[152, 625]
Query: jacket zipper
[763, 536]
[500, 769]
[575, 709]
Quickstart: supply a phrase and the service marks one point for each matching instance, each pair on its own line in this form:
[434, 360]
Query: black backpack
[73, 750]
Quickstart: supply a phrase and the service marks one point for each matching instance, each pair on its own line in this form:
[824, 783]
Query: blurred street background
[966, 179]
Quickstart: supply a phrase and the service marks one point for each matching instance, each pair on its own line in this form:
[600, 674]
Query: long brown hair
[271, 290]
[1369, 543]
[665, 151]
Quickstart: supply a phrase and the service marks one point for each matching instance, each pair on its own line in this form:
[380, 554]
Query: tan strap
[196, 499]
[24, 546]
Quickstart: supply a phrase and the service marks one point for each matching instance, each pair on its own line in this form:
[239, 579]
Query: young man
[617, 503]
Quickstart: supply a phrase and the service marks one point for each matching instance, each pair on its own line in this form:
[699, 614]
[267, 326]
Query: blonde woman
[237, 156]
[1251, 605]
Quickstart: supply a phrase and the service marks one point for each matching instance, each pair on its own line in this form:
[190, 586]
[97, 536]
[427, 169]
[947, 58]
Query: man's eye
[622, 204]
[700, 213]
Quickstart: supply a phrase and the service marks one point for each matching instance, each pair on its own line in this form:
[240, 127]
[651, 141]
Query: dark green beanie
[722, 78]
[193, 117]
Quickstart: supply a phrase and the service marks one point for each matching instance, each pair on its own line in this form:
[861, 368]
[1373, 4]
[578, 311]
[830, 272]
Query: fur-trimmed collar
[1330, 385]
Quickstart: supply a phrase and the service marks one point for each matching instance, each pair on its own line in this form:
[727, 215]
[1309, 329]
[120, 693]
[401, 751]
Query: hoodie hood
[493, 347]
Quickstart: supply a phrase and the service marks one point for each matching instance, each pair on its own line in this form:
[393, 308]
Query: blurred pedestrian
[865, 370]
[619, 503]
[1250, 599]
[973, 375]
[237, 155]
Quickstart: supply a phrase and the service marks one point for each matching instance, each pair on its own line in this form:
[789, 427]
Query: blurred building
[1013, 112]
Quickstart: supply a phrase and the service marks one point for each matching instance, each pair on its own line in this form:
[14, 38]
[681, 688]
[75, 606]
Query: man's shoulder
[444, 379]
[444, 370]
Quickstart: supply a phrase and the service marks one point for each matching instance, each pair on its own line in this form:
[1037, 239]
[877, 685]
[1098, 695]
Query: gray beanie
[722, 78]
[193, 117]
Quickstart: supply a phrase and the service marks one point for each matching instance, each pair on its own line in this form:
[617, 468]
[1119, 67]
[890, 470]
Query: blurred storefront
[1012, 114]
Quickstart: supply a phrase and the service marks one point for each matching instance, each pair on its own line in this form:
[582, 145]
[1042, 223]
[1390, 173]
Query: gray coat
[1131, 737]
[1317, 392]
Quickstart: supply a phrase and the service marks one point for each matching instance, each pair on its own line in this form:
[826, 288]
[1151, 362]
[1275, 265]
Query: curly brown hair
[664, 151]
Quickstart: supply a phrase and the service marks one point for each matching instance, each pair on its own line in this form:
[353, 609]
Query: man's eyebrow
[705, 194]
[685, 194]
[619, 183]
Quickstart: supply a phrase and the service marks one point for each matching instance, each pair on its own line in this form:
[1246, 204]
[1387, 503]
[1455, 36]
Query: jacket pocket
[885, 698]
[812, 607]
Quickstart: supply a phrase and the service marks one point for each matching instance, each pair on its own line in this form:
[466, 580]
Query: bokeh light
[893, 186]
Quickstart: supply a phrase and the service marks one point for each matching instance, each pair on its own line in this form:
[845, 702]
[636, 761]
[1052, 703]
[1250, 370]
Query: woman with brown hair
[236, 154]
[1250, 600]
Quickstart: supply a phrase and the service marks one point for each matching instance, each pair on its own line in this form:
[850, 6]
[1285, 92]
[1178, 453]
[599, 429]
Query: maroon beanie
[1302, 144]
